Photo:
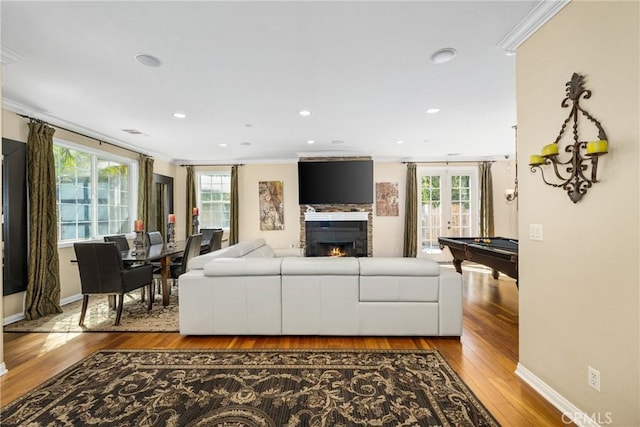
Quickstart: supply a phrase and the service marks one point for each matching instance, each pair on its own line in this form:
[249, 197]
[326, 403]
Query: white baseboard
[69, 300]
[3, 369]
[12, 319]
[20, 316]
[569, 410]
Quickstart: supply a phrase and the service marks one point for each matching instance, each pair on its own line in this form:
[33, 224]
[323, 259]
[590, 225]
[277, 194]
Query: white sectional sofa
[247, 289]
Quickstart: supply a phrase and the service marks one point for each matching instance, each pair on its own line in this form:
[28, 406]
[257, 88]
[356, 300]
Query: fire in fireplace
[333, 249]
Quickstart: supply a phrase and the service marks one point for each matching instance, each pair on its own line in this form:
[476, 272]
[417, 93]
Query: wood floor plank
[485, 356]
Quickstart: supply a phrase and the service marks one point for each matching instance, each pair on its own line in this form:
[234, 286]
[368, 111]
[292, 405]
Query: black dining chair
[211, 239]
[120, 240]
[103, 272]
[191, 250]
[153, 238]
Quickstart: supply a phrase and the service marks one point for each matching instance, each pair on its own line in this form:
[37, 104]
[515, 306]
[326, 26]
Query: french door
[447, 207]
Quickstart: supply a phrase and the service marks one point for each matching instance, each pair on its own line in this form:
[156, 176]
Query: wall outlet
[593, 378]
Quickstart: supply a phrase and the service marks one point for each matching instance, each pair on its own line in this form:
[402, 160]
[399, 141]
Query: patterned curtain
[411, 214]
[233, 220]
[145, 188]
[486, 200]
[191, 198]
[43, 274]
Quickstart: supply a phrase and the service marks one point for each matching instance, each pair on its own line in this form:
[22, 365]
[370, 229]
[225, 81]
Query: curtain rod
[214, 164]
[33, 119]
[451, 161]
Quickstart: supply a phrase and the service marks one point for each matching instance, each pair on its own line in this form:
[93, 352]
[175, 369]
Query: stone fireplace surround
[350, 223]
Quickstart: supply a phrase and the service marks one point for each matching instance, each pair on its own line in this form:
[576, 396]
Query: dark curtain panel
[43, 274]
[486, 200]
[191, 197]
[411, 213]
[233, 220]
[145, 188]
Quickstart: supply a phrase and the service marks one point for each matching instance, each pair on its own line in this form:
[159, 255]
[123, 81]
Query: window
[214, 199]
[94, 193]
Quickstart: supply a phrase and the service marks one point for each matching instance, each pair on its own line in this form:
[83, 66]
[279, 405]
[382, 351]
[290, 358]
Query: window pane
[215, 199]
[73, 192]
[431, 212]
[76, 174]
[114, 177]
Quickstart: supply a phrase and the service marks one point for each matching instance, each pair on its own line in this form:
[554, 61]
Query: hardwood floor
[485, 356]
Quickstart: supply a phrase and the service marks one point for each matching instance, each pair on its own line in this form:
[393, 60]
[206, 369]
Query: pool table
[498, 253]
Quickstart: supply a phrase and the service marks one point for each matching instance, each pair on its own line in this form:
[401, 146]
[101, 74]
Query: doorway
[161, 203]
[447, 207]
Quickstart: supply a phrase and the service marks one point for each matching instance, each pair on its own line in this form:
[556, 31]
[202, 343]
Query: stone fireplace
[336, 233]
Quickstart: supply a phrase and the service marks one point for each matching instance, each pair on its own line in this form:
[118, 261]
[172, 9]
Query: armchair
[102, 272]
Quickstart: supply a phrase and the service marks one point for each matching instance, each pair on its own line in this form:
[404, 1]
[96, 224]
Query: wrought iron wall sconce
[572, 173]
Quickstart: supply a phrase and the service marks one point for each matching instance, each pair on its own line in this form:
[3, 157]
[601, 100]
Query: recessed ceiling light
[305, 113]
[222, 145]
[245, 143]
[433, 110]
[311, 141]
[179, 115]
[399, 142]
[443, 55]
[148, 60]
[337, 141]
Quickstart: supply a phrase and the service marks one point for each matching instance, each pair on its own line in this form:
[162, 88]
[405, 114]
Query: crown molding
[536, 18]
[25, 110]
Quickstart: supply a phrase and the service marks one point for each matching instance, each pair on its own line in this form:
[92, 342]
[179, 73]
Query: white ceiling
[242, 71]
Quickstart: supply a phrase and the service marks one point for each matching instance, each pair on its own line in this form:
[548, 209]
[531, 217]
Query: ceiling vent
[9, 56]
[133, 132]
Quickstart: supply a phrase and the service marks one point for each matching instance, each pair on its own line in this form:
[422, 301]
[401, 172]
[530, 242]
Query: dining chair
[120, 240]
[153, 238]
[103, 272]
[211, 240]
[191, 250]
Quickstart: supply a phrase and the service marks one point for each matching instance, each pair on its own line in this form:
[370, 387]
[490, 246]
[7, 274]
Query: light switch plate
[535, 232]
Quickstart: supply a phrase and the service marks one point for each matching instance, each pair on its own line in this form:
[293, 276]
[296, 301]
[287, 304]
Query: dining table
[154, 253]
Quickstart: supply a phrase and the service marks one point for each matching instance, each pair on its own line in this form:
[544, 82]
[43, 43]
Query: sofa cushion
[325, 266]
[243, 267]
[398, 266]
[398, 280]
[198, 263]
[264, 251]
[234, 251]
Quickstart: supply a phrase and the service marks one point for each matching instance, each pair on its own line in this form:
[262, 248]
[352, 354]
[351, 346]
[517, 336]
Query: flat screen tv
[335, 182]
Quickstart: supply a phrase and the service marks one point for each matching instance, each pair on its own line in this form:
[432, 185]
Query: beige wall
[505, 213]
[388, 230]
[248, 177]
[579, 298]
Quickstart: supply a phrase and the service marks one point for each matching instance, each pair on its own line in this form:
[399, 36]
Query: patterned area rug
[253, 388]
[100, 318]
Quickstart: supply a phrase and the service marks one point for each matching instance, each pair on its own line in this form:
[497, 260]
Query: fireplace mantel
[336, 216]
